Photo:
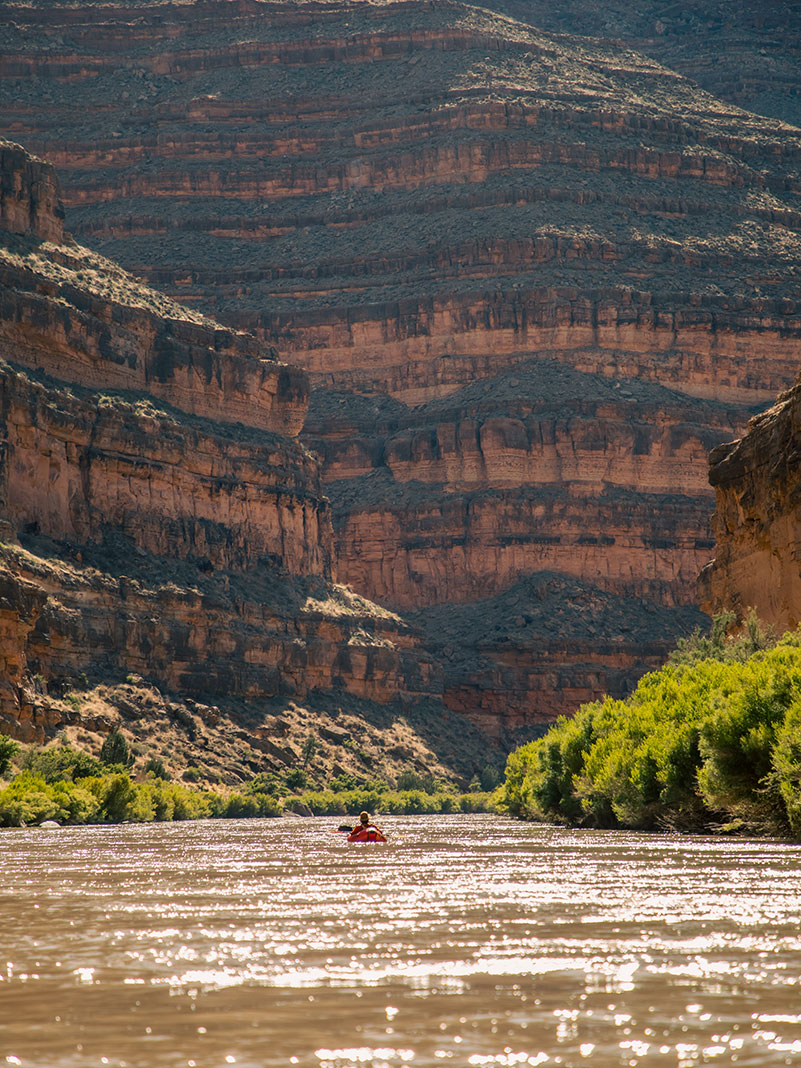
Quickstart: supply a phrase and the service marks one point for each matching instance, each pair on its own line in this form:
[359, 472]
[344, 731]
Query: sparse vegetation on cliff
[709, 742]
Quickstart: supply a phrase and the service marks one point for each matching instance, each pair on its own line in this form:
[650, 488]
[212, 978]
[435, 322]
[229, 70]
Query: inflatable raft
[367, 834]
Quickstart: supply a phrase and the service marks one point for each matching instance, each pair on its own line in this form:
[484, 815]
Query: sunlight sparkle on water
[466, 940]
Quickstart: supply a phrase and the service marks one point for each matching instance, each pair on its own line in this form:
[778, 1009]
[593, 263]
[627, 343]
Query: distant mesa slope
[746, 53]
[757, 520]
[161, 523]
[533, 278]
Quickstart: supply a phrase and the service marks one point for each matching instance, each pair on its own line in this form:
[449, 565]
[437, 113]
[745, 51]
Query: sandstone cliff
[757, 520]
[159, 523]
[533, 278]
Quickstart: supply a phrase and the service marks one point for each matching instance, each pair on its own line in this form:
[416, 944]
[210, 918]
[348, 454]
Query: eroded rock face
[757, 520]
[533, 279]
[155, 518]
[80, 317]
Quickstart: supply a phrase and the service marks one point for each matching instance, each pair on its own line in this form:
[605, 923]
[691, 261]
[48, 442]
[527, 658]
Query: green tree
[787, 765]
[706, 740]
[296, 779]
[115, 750]
[116, 794]
[309, 749]
[489, 778]
[8, 747]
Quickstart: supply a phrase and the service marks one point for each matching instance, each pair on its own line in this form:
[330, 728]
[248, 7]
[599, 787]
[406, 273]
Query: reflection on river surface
[467, 940]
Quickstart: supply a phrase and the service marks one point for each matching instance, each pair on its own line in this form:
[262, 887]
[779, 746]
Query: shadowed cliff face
[158, 523]
[533, 279]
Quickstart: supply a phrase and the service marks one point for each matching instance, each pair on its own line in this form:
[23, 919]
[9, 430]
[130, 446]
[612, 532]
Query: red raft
[366, 834]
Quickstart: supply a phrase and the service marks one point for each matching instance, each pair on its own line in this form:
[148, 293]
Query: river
[466, 940]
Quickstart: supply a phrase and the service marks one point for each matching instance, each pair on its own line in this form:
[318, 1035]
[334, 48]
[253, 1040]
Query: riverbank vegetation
[712, 741]
[71, 786]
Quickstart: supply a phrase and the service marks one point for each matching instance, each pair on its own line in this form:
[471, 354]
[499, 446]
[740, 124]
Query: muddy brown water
[466, 940]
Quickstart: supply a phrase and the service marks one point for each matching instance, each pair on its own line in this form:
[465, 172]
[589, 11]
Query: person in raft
[365, 831]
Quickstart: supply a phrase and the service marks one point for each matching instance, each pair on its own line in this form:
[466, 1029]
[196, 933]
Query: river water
[466, 940]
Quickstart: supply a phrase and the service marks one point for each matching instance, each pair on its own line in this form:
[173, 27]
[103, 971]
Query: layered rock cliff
[158, 522]
[533, 277]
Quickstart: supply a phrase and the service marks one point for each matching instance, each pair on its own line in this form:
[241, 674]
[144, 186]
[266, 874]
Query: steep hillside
[533, 278]
[165, 549]
[746, 53]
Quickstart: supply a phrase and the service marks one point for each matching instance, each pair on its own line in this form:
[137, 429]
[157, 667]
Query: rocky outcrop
[757, 520]
[464, 496]
[533, 278]
[30, 201]
[94, 613]
[79, 316]
[157, 522]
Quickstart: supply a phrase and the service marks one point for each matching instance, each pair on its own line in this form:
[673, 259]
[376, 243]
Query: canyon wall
[533, 278]
[159, 523]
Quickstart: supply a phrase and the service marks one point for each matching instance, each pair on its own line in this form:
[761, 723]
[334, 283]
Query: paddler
[365, 831]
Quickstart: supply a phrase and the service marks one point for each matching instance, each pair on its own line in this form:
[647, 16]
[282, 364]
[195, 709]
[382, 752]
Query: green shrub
[702, 741]
[115, 794]
[787, 765]
[325, 803]
[266, 782]
[155, 766]
[309, 749]
[61, 763]
[296, 779]
[719, 645]
[28, 800]
[112, 798]
[245, 806]
[161, 797]
[489, 778]
[343, 782]
[241, 805]
[393, 802]
[76, 803]
[412, 780]
[188, 804]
